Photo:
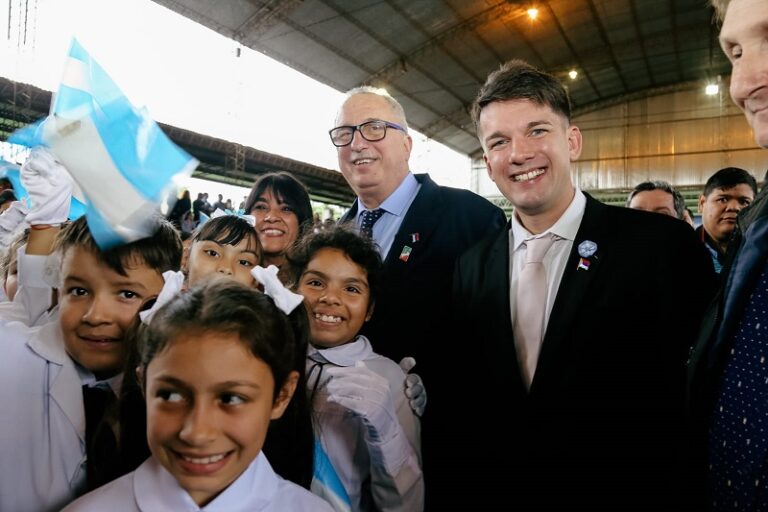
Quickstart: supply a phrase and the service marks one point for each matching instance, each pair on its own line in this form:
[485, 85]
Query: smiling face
[209, 404]
[210, 260]
[97, 305]
[742, 37]
[337, 297]
[528, 149]
[277, 226]
[373, 169]
[720, 208]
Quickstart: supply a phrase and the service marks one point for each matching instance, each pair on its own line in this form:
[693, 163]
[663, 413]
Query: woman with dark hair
[181, 207]
[280, 203]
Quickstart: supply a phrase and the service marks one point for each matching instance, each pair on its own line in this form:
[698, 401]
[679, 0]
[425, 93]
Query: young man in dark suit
[420, 229]
[727, 373]
[592, 380]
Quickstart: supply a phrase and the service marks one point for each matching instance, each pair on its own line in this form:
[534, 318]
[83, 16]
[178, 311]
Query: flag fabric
[326, 482]
[119, 157]
[11, 171]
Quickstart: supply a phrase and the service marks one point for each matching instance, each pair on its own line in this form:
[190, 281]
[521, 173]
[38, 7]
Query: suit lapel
[496, 285]
[573, 286]
[744, 272]
[420, 221]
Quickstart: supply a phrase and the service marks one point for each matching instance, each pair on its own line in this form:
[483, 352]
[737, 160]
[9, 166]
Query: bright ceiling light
[572, 74]
[533, 13]
[712, 89]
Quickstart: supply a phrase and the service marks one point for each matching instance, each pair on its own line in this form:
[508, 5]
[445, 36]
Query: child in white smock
[367, 454]
[216, 367]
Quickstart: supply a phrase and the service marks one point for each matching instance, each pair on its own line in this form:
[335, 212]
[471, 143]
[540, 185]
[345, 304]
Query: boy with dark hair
[48, 373]
[726, 193]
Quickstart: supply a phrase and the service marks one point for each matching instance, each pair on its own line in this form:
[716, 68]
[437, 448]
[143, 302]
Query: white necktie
[530, 304]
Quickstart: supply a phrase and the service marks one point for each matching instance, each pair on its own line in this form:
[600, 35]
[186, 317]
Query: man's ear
[702, 200]
[285, 395]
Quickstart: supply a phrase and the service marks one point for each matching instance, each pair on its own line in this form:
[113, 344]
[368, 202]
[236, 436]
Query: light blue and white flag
[118, 156]
[11, 171]
[326, 483]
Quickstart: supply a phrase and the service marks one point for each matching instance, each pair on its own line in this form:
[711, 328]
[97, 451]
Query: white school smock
[342, 434]
[42, 434]
[151, 488]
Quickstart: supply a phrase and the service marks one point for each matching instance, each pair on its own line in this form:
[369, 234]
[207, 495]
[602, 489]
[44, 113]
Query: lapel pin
[406, 252]
[587, 248]
[414, 237]
[583, 264]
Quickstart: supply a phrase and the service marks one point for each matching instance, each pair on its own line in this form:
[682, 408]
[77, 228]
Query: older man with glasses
[420, 228]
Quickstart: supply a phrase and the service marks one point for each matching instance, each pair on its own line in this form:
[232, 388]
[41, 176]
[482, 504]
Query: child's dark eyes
[313, 282]
[211, 252]
[127, 294]
[77, 291]
[169, 395]
[352, 289]
[246, 263]
[232, 399]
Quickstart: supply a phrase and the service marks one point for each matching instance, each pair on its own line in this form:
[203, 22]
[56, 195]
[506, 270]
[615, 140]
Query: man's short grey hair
[395, 105]
[646, 186]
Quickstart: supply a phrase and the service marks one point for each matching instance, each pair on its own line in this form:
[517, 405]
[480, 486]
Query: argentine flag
[118, 156]
[11, 171]
[326, 482]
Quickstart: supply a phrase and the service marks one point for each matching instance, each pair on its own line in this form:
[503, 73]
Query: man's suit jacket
[745, 260]
[410, 313]
[599, 428]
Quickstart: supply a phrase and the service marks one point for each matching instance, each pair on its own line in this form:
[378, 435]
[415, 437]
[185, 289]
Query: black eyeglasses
[370, 131]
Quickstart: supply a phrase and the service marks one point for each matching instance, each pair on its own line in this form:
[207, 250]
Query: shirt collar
[398, 201]
[344, 355]
[566, 227]
[87, 378]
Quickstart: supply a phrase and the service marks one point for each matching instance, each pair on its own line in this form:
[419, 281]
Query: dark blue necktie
[369, 219]
[739, 433]
[102, 461]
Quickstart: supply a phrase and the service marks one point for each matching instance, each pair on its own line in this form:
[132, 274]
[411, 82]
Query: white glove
[414, 387]
[367, 395]
[12, 221]
[49, 186]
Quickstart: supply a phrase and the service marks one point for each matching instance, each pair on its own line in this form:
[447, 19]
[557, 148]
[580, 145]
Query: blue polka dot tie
[369, 219]
[738, 437]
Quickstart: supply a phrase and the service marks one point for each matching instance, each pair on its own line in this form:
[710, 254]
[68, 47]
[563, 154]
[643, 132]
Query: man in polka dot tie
[728, 369]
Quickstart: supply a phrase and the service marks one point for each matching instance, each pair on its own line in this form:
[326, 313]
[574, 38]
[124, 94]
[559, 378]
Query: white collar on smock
[347, 354]
[154, 488]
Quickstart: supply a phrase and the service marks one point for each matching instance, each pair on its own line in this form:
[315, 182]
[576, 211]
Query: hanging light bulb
[533, 13]
[572, 74]
[711, 89]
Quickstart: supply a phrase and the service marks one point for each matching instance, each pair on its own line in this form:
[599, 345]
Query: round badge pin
[587, 248]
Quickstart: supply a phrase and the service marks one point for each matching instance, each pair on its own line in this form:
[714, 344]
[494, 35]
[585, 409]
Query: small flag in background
[118, 156]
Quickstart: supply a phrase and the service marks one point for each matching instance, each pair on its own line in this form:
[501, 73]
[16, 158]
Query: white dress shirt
[565, 230]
